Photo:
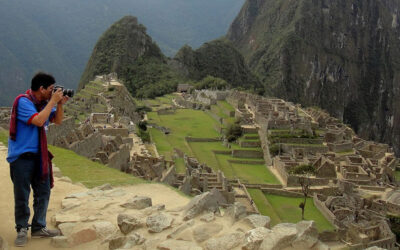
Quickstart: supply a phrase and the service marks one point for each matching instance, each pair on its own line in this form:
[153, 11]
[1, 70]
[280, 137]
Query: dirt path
[7, 225]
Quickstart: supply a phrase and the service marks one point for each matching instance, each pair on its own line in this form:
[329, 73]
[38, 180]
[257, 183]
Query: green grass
[4, 136]
[89, 173]
[263, 205]
[225, 105]
[286, 209]
[396, 174]
[180, 165]
[254, 173]
[162, 144]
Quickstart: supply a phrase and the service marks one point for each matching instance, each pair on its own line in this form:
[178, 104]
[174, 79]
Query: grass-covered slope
[83, 170]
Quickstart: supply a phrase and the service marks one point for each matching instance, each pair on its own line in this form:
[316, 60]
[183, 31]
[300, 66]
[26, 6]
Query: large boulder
[225, 242]
[256, 220]
[236, 212]
[282, 236]
[158, 222]
[128, 223]
[138, 202]
[104, 229]
[254, 237]
[208, 201]
[206, 231]
[82, 235]
[67, 204]
[307, 235]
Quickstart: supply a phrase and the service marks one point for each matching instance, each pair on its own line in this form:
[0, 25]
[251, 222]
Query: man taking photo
[30, 161]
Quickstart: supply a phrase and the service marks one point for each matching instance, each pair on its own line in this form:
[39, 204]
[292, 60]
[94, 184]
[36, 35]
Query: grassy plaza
[286, 209]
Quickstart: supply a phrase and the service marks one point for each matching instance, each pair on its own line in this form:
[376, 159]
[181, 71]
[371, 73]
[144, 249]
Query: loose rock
[3, 244]
[126, 242]
[254, 237]
[70, 203]
[307, 235]
[82, 236]
[208, 201]
[138, 202]
[282, 236]
[158, 222]
[104, 228]
[256, 220]
[66, 228]
[236, 211]
[128, 223]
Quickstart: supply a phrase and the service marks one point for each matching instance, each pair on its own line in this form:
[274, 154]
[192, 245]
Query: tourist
[30, 161]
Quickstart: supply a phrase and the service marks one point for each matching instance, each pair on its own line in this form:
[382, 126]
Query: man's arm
[40, 119]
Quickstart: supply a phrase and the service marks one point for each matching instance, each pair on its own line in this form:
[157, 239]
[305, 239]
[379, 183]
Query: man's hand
[63, 100]
[56, 97]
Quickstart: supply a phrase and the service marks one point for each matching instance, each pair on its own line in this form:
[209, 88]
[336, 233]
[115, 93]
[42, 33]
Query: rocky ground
[151, 216]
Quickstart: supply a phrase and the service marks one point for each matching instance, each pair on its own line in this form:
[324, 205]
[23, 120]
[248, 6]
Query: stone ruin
[102, 118]
[95, 144]
[148, 167]
[361, 222]
[5, 114]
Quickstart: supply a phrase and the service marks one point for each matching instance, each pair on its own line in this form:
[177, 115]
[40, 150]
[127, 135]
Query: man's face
[46, 92]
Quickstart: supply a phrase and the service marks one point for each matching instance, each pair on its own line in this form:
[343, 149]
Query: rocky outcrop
[340, 55]
[97, 216]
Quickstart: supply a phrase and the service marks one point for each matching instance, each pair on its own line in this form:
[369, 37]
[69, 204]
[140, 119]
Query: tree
[305, 185]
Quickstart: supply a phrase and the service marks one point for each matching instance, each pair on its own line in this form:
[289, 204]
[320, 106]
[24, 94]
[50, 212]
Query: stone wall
[56, 131]
[123, 132]
[89, 146]
[294, 180]
[194, 139]
[120, 159]
[340, 147]
[249, 162]
[324, 210]
[250, 144]
[288, 148]
[247, 153]
[298, 140]
[215, 117]
[281, 192]
[168, 177]
[186, 186]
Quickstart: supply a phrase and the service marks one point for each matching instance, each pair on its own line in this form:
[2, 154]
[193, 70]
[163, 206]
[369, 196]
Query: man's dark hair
[42, 79]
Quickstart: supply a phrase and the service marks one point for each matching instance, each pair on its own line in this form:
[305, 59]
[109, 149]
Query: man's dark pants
[25, 172]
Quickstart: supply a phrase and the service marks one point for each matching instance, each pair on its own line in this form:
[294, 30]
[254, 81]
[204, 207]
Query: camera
[66, 92]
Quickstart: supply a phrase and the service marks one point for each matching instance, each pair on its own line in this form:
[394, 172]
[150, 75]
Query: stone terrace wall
[123, 132]
[169, 176]
[324, 210]
[89, 146]
[281, 192]
[120, 159]
[194, 139]
[56, 131]
[247, 153]
[307, 149]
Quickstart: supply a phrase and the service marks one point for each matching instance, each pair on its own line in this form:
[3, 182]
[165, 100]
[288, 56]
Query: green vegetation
[146, 75]
[89, 173]
[218, 58]
[210, 82]
[394, 222]
[286, 209]
[233, 132]
[4, 136]
[303, 169]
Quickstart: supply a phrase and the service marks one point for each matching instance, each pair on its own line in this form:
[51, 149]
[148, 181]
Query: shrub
[144, 135]
[233, 132]
[142, 125]
[303, 169]
[274, 150]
